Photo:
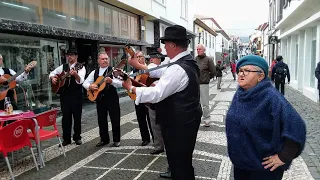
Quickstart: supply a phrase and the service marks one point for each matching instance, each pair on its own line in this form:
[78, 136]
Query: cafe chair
[13, 137]
[47, 119]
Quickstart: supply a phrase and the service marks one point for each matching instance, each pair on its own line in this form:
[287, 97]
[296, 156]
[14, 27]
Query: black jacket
[280, 64]
[317, 74]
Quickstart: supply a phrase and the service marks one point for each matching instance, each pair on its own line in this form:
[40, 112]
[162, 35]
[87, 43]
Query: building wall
[302, 53]
[207, 39]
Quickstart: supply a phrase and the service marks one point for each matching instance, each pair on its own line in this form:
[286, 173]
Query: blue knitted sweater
[257, 123]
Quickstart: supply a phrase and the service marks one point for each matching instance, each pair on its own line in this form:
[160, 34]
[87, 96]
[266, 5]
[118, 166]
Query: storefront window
[81, 15]
[17, 51]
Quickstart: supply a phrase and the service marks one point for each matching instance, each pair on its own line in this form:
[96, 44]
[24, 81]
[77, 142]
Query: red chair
[13, 137]
[47, 119]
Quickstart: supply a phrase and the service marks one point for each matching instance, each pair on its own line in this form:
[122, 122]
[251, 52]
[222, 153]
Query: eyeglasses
[245, 72]
[140, 56]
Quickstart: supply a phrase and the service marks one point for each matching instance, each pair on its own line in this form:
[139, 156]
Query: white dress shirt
[21, 77]
[90, 79]
[81, 72]
[173, 79]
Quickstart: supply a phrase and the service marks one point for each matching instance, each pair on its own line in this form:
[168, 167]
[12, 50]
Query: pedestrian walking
[207, 72]
[219, 69]
[279, 73]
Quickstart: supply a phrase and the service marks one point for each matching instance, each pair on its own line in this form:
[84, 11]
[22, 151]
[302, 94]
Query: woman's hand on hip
[272, 162]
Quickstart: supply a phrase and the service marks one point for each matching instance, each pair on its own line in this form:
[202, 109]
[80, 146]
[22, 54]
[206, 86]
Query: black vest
[72, 89]
[184, 106]
[109, 89]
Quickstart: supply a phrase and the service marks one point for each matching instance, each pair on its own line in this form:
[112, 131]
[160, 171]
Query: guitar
[93, 94]
[11, 82]
[58, 87]
[144, 81]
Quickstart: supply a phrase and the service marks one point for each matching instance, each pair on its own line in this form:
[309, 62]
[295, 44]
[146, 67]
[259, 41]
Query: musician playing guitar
[107, 100]
[11, 72]
[71, 97]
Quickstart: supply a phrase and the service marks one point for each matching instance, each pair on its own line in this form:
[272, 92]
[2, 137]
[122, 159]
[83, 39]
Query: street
[132, 161]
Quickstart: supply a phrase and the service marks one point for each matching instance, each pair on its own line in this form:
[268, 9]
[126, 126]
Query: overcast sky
[239, 17]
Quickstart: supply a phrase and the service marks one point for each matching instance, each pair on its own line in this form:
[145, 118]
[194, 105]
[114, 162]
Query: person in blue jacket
[264, 132]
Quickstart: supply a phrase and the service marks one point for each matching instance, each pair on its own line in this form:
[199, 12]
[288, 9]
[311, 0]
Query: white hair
[258, 69]
[202, 46]
[102, 52]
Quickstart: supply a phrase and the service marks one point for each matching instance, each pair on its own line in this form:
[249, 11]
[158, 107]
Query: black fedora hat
[155, 54]
[175, 33]
[72, 51]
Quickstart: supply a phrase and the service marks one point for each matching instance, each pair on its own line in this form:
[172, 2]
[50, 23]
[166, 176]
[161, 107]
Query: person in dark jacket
[264, 132]
[279, 73]
[317, 74]
[219, 68]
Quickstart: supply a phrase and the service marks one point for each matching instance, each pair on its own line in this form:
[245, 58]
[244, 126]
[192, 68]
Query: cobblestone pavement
[131, 161]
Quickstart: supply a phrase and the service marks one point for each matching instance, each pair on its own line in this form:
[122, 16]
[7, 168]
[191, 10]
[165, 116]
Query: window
[124, 25]
[209, 41]
[313, 56]
[81, 11]
[184, 9]
[107, 21]
[206, 44]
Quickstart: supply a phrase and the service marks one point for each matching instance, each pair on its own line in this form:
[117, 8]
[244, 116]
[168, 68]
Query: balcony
[297, 12]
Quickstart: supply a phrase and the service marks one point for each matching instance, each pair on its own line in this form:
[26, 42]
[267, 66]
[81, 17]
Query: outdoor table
[20, 115]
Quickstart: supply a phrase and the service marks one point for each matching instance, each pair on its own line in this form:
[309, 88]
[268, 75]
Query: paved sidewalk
[132, 161]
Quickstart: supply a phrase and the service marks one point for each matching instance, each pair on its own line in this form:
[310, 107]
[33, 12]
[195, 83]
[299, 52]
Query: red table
[19, 115]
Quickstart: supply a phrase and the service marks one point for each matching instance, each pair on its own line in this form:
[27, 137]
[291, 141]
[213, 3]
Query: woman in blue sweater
[264, 132]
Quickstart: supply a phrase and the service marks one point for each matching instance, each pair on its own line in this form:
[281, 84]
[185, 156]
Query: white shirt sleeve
[157, 73]
[167, 86]
[82, 74]
[89, 80]
[21, 77]
[58, 70]
[116, 83]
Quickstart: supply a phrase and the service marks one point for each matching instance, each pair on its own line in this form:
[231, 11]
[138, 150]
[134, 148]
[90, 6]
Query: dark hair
[279, 58]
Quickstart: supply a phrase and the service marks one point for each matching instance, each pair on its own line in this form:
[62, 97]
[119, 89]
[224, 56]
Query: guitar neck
[149, 70]
[12, 78]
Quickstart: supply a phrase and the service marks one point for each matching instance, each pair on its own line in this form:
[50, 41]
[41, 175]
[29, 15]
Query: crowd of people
[264, 132]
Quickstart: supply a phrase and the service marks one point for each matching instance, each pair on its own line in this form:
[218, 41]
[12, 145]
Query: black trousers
[278, 85]
[109, 104]
[179, 141]
[71, 108]
[240, 174]
[144, 122]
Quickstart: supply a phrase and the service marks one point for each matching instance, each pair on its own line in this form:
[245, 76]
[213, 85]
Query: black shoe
[78, 142]
[116, 144]
[144, 143]
[166, 174]
[101, 143]
[157, 151]
[65, 143]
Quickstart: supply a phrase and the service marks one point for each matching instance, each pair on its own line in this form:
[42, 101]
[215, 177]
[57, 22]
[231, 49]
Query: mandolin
[58, 87]
[93, 94]
[11, 82]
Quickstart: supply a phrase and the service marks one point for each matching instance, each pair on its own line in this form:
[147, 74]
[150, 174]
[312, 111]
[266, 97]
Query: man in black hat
[71, 97]
[177, 98]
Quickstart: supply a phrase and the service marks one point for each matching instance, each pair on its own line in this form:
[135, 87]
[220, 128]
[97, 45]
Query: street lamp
[199, 31]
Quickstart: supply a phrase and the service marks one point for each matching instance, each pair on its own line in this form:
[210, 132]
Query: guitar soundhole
[5, 83]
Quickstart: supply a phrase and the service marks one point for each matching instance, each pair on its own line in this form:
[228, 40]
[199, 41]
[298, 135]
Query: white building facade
[222, 40]
[205, 36]
[297, 26]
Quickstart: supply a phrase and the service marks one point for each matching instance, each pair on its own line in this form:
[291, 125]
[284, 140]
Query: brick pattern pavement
[131, 161]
